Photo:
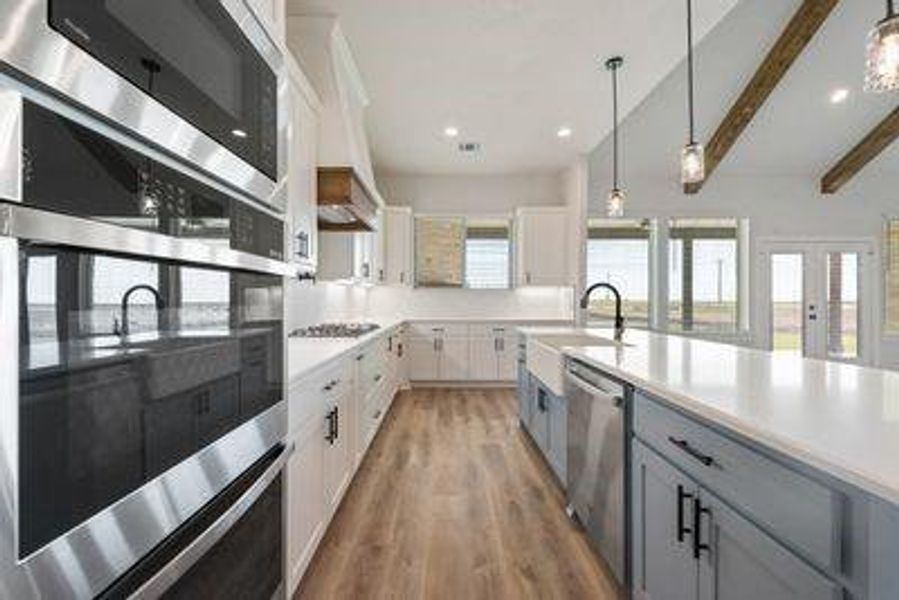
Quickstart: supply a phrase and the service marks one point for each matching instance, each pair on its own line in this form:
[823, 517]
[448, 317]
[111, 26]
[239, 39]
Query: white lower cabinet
[423, 359]
[333, 416]
[306, 504]
[340, 455]
[453, 359]
[458, 353]
[492, 354]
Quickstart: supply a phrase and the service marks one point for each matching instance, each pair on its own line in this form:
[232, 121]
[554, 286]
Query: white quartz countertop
[838, 418]
[307, 355]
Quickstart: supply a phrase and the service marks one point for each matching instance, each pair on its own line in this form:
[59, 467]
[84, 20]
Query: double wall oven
[199, 79]
[141, 381]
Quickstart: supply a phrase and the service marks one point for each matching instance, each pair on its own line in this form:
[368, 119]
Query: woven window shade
[439, 251]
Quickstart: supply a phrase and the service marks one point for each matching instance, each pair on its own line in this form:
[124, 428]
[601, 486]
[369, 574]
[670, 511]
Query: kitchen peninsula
[784, 465]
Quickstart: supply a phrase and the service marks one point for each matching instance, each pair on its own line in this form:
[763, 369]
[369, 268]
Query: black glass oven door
[190, 56]
[128, 367]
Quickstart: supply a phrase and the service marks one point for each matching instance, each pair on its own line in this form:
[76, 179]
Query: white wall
[520, 304]
[470, 194]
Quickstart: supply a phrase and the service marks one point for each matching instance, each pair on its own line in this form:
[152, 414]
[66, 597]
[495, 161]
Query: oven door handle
[181, 564]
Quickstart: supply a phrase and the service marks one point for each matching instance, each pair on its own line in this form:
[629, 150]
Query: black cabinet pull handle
[682, 529]
[698, 511]
[684, 445]
[541, 400]
[329, 437]
[336, 422]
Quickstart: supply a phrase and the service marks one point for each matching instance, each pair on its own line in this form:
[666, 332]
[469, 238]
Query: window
[618, 253]
[457, 252]
[488, 256]
[891, 285]
[703, 275]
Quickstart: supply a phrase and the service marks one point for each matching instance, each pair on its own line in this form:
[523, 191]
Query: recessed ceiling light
[839, 95]
[564, 132]
[451, 132]
[239, 133]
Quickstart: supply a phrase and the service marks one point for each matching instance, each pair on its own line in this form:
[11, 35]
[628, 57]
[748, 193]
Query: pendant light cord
[891, 9]
[615, 127]
[690, 68]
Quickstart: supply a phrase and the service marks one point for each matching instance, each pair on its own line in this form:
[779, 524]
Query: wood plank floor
[453, 502]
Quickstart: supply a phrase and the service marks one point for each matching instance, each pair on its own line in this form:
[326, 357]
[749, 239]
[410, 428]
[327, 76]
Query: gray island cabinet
[715, 516]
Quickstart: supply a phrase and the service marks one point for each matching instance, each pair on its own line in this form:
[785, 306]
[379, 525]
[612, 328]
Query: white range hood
[320, 46]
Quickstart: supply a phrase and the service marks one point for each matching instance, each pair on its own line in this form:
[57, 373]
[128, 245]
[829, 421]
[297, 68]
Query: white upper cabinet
[302, 170]
[542, 256]
[396, 234]
[271, 13]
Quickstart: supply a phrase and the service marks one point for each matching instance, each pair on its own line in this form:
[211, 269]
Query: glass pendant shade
[882, 67]
[692, 163]
[615, 204]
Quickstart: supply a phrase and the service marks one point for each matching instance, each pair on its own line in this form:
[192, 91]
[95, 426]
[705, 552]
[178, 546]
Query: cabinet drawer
[309, 398]
[432, 329]
[792, 507]
[491, 330]
[372, 366]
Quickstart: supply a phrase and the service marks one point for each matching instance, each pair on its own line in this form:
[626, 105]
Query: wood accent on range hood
[808, 19]
[878, 140]
[345, 203]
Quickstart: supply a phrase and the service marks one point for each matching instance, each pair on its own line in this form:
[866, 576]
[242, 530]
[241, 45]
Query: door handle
[329, 437]
[698, 511]
[682, 529]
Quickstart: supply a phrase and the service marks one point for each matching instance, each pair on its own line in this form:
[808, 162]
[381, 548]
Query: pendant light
[693, 154]
[882, 65]
[615, 206]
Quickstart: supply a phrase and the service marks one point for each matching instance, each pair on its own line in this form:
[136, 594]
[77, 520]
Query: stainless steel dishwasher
[597, 461]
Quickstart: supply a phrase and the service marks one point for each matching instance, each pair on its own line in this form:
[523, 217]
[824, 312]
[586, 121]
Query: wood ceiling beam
[878, 140]
[792, 41]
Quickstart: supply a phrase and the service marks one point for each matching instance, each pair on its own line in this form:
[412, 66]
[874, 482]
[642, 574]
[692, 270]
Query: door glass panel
[842, 305]
[786, 303]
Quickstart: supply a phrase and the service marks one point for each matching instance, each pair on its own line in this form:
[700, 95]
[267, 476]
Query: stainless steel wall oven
[141, 381]
[198, 78]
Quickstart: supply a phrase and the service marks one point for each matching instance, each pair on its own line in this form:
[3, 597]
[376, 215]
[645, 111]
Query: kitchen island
[786, 466]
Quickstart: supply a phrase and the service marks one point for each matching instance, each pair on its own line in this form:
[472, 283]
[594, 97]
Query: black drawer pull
[684, 445]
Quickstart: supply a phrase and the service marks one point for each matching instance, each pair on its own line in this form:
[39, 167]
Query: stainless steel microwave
[198, 79]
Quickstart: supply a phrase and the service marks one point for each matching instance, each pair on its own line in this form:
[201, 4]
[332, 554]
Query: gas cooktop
[335, 330]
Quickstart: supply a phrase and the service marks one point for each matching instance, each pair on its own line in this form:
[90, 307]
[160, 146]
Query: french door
[817, 299]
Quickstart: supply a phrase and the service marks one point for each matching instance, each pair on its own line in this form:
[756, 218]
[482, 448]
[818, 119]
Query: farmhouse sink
[546, 359]
[577, 340]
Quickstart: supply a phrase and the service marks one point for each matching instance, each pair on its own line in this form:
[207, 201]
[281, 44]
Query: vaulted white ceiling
[798, 131]
[507, 73]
